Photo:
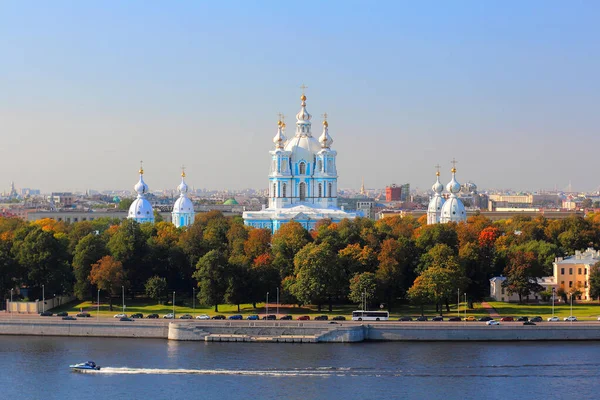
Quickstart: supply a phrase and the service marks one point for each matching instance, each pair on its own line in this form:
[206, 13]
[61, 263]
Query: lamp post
[458, 304]
[278, 301]
[465, 306]
[194, 301]
[98, 306]
[571, 307]
[123, 291]
[267, 305]
[43, 299]
[173, 305]
[11, 298]
[553, 291]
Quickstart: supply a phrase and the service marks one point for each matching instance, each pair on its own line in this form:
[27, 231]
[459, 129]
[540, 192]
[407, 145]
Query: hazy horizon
[509, 89]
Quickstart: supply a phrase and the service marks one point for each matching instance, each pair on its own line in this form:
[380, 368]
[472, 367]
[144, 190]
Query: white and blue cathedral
[302, 179]
[141, 210]
[451, 209]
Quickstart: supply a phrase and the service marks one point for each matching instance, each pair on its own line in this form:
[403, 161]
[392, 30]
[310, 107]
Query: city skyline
[89, 90]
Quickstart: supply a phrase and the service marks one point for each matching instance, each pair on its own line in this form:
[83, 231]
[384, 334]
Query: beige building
[569, 273]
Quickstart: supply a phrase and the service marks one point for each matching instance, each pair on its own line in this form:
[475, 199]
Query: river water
[37, 368]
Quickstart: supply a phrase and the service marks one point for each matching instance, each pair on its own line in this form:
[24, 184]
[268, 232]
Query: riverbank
[300, 332]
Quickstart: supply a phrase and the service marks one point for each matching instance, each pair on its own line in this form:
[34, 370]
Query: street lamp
[458, 304]
[466, 306]
[194, 301]
[98, 309]
[267, 304]
[43, 299]
[123, 291]
[571, 306]
[553, 292]
[277, 300]
[173, 305]
[11, 302]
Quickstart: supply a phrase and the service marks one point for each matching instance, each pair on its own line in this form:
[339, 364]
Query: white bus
[370, 315]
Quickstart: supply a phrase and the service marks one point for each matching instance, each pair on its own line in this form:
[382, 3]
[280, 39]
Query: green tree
[395, 265]
[238, 281]
[437, 284]
[108, 276]
[8, 267]
[88, 251]
[361, 285]
[128, 245]
[594, 279]
[318, 276]
[124, 204]
[212, 276]
[156, 288]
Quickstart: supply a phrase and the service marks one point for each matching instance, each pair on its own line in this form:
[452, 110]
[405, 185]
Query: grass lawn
[583, 311]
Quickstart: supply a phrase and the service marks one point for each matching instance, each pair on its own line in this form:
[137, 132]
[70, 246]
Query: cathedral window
[302, 168]
[329, 187]
[284, 189]
[302, 191]
[320, 166]
[274, 189]
[320, 190]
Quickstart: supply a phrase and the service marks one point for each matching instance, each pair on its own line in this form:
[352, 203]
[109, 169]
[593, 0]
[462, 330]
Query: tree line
[223, 261]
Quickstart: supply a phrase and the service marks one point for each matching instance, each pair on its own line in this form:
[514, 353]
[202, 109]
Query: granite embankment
[299, 332]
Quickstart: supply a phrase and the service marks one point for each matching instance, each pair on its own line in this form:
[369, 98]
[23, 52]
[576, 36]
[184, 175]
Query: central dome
[303, 148]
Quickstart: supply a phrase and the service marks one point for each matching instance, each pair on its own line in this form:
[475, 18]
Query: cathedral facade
[302, 179]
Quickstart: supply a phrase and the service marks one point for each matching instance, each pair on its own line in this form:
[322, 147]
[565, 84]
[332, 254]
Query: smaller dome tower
[141, 209]
[437, 201]
[183, 210]
[453, 209]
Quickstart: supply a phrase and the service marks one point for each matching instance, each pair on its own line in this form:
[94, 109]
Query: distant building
[63, 199]
[397, 192]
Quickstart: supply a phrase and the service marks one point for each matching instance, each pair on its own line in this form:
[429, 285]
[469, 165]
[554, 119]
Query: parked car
[522, 319]
[571, 318]
[536, 319]
[470, 318]
[421, 318]
[553, 319]
[84, 315]
[252, 317]
[62, 314]
[454, 319]
[236, 316]
[46, 314]
[126, 319]
[507, 319]
[485, 319]
[152, 316]
[338, 318]
[528, 323]
[598, 318]
[321, 318]
[169, 316]
[203, 316]
[137, 315]
[492, 322]
[437, 318]
[304, 318]
[270, 317]
[405, 318]
[69, 318]
[218, 317]
[286, 318]
[120, 316]
[186, 316]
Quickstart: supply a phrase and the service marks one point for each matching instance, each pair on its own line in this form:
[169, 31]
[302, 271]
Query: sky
[510, 89]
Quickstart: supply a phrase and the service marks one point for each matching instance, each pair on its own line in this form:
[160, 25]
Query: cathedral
[451, 209]
[302, 179]
[141, 210]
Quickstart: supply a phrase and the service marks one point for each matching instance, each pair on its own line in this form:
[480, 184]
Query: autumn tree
[108, 275]
[395, 268]
[88, 251]
[289, 239]
[594, 278]
[522, 273]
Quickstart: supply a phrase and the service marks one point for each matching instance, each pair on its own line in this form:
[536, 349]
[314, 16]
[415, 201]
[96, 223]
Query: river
[37, 368]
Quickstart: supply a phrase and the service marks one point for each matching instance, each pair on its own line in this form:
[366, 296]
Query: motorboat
[85, 366]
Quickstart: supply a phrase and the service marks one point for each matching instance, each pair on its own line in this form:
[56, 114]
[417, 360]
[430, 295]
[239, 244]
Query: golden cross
[141, 167]
[183, 171]
[325, 116]
[453, 162]
[303, 87]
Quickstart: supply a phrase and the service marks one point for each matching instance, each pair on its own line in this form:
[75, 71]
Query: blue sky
[510, 89]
